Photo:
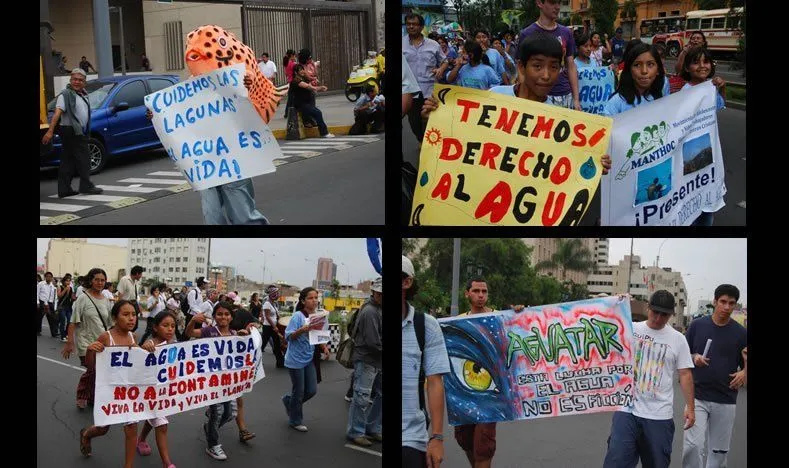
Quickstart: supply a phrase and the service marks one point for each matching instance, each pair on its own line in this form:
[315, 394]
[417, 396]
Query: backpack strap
[419, 328]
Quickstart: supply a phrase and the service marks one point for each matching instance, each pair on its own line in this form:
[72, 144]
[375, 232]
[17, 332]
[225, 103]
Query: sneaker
[64, 339]
[328, 135]
[299, 427]
[376, 437]
[216, 452]
[348, 399]
[361, 441]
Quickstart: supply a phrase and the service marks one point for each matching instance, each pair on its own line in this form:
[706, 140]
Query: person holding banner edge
[124, 314]
[478, 441]
[538, 70]
[645, 429]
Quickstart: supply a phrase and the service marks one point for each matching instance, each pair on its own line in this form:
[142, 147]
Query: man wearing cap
[617, 47]
[420, 447]
[645, 428]
[716, 379]
[364, 413]
[72, 110]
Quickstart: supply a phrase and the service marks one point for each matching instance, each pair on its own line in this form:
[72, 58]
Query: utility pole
[453, 310]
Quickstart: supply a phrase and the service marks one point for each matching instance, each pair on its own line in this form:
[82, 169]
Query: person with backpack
[424, 360]
[192, 303]
[364, 413]
[269, 317]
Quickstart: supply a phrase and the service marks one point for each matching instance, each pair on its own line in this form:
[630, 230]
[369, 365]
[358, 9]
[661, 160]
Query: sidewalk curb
[736, 105]
[280, 133]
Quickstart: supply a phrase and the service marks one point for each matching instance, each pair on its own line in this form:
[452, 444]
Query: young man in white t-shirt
[646, 428]
[269, 316]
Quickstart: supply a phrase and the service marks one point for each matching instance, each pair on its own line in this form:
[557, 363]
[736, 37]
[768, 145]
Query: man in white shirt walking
[645, 428]
[267, 67]
[46, 304]
[129, 289]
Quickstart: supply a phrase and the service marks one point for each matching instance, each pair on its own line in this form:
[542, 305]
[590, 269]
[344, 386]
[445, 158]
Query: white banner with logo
[667, 164]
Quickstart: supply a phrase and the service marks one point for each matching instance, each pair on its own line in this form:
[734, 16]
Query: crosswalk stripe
[315, 143]
[300, 153]
[308, 147]
[121, 188]
[166, 173]
[365, 140]
[98, 198]
[42, 218]
[279, 162]
[142, 180]
[62, 207]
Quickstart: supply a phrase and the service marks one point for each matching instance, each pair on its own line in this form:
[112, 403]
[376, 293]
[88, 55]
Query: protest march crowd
[545, 63]
[710, 361]
[92, 318]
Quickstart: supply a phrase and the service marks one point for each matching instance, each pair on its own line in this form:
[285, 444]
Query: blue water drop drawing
[588, 169]
[423, 180]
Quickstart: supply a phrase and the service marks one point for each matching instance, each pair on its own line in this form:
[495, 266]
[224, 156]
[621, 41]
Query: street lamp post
[657, 260]
[264, 265]
[119, 10]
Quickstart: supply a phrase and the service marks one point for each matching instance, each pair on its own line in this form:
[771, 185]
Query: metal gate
[337, 34]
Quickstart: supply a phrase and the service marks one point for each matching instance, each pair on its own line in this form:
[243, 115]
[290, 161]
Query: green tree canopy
[570, 255]
[604, 13]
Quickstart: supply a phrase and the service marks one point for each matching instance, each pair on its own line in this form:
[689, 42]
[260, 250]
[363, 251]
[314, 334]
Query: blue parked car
[118, 124]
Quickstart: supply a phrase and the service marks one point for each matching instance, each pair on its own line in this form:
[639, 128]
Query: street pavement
[581, 441]
[319, 182]
[58, 422]
[731, 128]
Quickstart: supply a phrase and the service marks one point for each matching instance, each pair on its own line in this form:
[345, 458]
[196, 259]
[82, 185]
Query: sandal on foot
[143, 448]
[82, 404]
[244, 435]
[84, 447]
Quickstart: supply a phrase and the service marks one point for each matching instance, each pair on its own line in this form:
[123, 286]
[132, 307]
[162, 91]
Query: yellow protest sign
[494, 160]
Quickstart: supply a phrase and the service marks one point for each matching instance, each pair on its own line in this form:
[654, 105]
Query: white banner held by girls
[133, 384]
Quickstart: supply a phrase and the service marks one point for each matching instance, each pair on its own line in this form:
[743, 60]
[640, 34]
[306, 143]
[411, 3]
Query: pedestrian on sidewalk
[716, 380]
[124, 316]
[46, 304]
[304, 98]
[85, 65]
[288, 63]
[267, 67]
[645, 429]
[90, 318]
[364, 413]
[72, 111]
[299, 358]
[65, 300]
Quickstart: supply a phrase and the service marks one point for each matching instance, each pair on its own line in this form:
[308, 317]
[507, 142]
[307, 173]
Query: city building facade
[77, 256]
[178, 261]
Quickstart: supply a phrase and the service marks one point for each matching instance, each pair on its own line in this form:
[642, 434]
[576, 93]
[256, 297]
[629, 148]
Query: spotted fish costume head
[210, 48]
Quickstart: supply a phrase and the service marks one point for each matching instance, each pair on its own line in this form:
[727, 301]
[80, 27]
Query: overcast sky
[704, 263]
[294, 261]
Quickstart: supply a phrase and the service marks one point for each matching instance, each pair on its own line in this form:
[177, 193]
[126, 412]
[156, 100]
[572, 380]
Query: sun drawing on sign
[433, 136]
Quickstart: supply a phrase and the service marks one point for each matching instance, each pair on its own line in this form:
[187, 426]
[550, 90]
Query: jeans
[364, 414]
[232, 203]
[633, 437]
[218, 415]
[305, 386]
[413, 458]
[309, 110]
[65, 318]
[714, 422]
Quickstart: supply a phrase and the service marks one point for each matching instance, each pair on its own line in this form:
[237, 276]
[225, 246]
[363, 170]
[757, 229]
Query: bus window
[719, 23]
[693, 24]
[706, 23]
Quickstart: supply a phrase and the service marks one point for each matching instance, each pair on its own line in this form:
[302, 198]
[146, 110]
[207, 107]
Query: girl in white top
[598, 48]
[125, 316]
[163, 333]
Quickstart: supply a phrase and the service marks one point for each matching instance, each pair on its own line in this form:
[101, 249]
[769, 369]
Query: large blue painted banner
[595, 86]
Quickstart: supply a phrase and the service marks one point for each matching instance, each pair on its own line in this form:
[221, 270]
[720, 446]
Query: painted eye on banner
[472, 375]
